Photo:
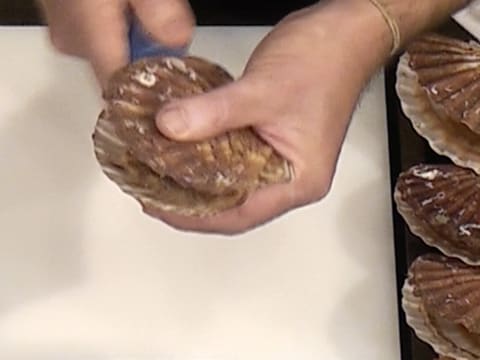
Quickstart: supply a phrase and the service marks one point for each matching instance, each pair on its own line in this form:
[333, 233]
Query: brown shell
[190, 178]
[438, 83]
[441, 205]
[441, 300]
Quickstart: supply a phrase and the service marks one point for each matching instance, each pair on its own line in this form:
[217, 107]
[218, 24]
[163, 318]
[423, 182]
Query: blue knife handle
[141, 45]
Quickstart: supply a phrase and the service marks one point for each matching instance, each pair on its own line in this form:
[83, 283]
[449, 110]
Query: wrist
[414, 17]
[360, 27]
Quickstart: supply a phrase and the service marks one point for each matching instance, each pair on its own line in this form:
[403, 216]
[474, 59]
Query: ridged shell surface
[441, 205]
[190, 178]
[441, 300]
[438, 83]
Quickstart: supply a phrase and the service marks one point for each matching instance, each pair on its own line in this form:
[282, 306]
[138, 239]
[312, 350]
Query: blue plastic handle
[141, 45]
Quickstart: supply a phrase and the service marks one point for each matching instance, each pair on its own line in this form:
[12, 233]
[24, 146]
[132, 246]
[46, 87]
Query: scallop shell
[190, 178]
[441, 205]
[441, 300]
[438, 83]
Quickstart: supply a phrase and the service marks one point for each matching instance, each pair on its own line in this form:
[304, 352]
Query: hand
[299, 90]
[97, 30]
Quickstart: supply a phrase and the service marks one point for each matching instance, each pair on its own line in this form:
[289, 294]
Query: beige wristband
[392, 24]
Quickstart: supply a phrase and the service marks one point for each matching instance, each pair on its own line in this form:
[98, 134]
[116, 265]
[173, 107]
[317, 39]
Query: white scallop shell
[108, 147]
[441, 205]
[445, 283]
[454, 139]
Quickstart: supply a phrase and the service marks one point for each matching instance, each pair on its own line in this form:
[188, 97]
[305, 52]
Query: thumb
[202, 116]
[169, 22]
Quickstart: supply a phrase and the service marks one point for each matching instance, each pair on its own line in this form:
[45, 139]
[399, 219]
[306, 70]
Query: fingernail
[173, 122]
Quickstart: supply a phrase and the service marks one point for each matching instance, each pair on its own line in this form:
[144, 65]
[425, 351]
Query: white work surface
[84, 275]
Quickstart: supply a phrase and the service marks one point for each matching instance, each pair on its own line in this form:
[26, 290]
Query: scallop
[438, 83]
[194, 178]
[441, 205]
[441, 300]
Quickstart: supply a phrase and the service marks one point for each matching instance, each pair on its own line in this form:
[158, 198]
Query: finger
[169, 22]
[104, 31]
[228, 107]
[263, 206]
[92, 29]
[55, 15]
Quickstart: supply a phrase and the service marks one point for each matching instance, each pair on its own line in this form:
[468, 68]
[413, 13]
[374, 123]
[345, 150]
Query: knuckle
[182, 35]
[62, 43]
[181, 10]
[58, 41]
[321, 187]
[314, 188]
[181, 24]
[221, 111]
[173, 22]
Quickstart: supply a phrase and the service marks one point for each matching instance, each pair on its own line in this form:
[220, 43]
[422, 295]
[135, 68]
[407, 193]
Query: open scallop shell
[441, 300]
[190, 178]
[441, 205]
[438, 83]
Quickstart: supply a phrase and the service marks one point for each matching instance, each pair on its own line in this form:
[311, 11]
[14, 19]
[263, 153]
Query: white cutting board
[84, 275]
[469, 18]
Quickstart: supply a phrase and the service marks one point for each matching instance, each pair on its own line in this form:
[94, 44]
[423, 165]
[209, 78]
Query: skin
[96, 30]
[302, 109]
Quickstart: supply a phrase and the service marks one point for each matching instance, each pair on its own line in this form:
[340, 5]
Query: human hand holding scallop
[199, 178]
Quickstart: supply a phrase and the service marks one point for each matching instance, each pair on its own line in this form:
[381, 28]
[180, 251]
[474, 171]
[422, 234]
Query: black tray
[407, 148]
